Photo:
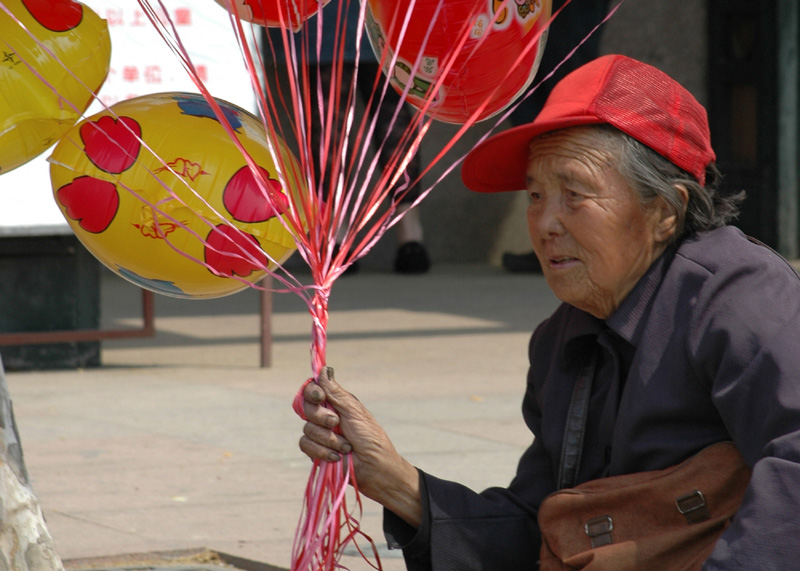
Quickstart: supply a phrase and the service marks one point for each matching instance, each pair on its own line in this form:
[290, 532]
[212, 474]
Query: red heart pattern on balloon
[232, 252]
[184, 167]
[55, 15]
[112, 144]
[90, 201]
[246, 202]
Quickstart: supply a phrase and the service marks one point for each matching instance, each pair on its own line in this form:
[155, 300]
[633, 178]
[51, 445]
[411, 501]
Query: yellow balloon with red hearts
[55, 56]
[158, 190]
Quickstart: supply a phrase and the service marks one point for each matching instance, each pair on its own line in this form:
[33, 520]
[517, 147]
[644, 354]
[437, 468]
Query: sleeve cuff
[414, 542]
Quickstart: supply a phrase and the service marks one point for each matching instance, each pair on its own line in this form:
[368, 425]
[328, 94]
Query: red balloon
[275, 13]
[482, 72]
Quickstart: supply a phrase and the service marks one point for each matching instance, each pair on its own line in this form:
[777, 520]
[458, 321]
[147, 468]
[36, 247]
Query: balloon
[43, 95]
[484, 70]
[159, 192]
[273, 13]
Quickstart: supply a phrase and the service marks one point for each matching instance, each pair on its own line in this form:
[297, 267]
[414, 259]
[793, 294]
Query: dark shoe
[352, 269]
[522, 263]
[412, 258]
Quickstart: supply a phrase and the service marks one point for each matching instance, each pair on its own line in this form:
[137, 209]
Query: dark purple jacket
[705, 348]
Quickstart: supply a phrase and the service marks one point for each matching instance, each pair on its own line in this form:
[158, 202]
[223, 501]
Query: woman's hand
[381, 472]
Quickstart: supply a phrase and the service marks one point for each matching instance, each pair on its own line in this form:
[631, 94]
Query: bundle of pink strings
[328, 524]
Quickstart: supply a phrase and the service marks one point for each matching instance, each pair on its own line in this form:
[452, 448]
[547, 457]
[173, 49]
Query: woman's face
[592, 236]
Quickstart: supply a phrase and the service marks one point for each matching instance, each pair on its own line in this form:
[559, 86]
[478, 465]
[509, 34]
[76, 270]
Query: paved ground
[182, 441]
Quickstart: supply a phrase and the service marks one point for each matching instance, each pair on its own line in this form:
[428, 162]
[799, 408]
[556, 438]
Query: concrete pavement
[182, 441]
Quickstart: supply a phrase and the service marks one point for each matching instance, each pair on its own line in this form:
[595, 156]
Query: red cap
[634, 97]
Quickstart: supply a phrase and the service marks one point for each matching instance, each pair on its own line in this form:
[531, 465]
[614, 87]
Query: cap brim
[500, 163]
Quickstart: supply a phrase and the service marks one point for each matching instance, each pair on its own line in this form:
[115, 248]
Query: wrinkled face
[591, 234]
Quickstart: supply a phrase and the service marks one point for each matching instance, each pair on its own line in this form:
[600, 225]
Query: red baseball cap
[632, 96]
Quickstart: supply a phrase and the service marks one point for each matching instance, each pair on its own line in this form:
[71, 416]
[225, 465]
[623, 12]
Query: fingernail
[333, 457]
[347, 448]
[316, 395]
[331, 421]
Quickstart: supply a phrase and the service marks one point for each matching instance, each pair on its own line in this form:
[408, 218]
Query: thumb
[339, 398]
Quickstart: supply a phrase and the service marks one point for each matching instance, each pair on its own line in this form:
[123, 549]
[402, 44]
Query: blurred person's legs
[411, 256]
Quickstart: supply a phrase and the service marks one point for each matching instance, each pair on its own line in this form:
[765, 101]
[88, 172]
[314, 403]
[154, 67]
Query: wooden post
[265, 297]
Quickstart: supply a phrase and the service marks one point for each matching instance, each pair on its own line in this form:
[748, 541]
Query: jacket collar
[628, 321]
[630, 318]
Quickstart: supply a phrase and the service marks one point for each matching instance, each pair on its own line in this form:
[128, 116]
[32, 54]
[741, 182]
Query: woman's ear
[667, 221]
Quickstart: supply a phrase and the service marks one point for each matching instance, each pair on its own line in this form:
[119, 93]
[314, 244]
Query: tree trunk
[25, 542]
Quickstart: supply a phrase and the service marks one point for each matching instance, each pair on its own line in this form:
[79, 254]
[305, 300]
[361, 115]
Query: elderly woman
[690, 332]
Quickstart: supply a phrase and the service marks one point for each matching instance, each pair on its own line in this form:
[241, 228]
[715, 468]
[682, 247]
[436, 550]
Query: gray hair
[653, 176]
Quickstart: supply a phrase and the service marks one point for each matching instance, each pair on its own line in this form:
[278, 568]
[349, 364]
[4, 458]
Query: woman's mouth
[561, 261]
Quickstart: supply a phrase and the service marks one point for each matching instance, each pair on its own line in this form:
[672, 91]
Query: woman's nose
[547, 219]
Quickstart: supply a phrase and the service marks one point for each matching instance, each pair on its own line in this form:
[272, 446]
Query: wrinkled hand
[381, 472]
